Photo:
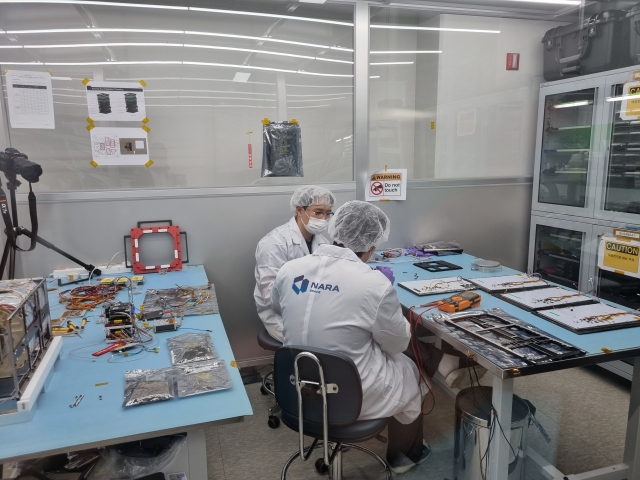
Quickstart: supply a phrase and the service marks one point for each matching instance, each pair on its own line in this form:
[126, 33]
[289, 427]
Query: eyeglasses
[320, 214]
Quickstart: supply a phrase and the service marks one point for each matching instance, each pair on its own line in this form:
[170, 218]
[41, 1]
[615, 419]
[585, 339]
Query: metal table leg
[632, 446]
[499, 450]
[197, 449]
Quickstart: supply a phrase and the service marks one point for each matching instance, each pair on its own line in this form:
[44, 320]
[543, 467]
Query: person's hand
[387, 272]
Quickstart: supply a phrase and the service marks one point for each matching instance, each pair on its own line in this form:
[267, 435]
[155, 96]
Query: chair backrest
[343, 407]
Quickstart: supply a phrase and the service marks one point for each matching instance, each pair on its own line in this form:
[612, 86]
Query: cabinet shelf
[573, 127]
[564, 237]
[567, 150]
[559, 278]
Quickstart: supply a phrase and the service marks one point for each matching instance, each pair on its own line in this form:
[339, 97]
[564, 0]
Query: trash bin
[472, 434]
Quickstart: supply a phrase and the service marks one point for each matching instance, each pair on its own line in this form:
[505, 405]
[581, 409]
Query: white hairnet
[311, 195]
[359, 226]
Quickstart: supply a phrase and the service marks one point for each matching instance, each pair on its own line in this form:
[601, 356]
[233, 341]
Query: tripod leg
[5, 255]
[12, 263]
[88, 267]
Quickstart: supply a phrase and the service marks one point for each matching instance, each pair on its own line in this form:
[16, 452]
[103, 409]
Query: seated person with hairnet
[352, 309]
[298, 237]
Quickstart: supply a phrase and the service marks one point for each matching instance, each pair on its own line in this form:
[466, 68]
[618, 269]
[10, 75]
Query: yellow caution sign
[619, 256]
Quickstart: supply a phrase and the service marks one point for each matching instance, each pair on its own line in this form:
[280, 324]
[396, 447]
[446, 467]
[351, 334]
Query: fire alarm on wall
[513, 61]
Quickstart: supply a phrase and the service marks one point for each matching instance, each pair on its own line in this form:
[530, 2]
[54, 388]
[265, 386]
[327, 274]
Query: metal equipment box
[25, 336]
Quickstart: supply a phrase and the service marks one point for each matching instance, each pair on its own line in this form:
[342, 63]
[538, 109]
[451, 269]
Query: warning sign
[619, 256]
[630, 108]
[390, 184]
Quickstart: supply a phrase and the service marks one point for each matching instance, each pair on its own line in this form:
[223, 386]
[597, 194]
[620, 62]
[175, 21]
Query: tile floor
[584, 411]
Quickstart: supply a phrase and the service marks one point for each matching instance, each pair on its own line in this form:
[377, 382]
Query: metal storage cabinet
[621, 289]
[560, 250]
[566, 154]
[617, 191]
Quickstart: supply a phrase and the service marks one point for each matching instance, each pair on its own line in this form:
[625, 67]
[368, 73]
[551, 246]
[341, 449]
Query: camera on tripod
[14, 163]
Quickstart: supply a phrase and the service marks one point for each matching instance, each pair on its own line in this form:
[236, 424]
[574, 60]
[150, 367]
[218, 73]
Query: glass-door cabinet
[618, 183]
[559, 251]
[567, 147]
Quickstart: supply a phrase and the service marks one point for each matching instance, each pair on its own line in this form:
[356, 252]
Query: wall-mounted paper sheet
[30, 99]
[116, 101]
[119, 146]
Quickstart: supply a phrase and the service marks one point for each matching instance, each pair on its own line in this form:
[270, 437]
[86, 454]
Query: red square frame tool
[173, 230]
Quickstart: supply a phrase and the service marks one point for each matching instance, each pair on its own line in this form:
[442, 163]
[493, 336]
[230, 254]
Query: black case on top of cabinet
[634, 33]
[601, 43]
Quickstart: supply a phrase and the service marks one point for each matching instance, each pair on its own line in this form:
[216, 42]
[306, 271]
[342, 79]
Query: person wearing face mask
[333, 300]
[300, 236]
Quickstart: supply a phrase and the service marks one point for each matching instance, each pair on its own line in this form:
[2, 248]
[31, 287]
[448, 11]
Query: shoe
[405, 464]
[460, 378]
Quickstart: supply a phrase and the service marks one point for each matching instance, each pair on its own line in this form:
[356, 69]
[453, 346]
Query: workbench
[100, 420]
[620, 344]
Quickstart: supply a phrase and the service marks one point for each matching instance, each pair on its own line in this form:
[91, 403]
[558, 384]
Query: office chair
[320, 394]
[267, 342]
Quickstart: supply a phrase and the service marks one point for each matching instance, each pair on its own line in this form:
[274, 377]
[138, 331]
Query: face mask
[315, 226]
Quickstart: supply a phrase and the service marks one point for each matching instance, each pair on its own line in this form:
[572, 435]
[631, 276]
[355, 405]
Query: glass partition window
[443, 103]
[212, 75]
[623, 173]
[566, 147]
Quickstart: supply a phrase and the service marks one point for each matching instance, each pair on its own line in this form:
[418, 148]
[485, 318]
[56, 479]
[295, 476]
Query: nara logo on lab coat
[303, 285]
[315, 287]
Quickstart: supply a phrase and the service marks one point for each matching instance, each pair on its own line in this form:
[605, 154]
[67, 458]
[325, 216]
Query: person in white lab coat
[332, 299]
[298, 237]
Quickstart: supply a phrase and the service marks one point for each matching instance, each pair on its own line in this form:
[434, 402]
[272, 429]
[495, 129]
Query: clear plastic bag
[116, 465]
[148, 386]
[191, 347]
[203, 377]
[182, 300]
[282, 150]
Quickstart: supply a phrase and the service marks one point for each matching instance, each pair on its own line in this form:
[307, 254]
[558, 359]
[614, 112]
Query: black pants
[405, 440]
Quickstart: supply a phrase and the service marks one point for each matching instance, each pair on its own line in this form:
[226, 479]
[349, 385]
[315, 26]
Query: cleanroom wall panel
[486, 120]
[224, 231]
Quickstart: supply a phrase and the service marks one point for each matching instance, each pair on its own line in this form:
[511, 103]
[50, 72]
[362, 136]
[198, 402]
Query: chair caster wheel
[321, 467]
[274, 422]
[263, 390]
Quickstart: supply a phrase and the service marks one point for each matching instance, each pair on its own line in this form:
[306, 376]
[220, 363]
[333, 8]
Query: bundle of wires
[414, 321]
[89, 296]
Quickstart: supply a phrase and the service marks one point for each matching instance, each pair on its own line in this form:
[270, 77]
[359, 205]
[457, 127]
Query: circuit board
[544, 298]
[435, 286]
[182, 300]
[507, 283]
[591, 318]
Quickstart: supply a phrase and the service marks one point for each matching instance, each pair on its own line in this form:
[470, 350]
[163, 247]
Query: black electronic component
[498, 329]
[131, 102]
[104, 103]
[437, 266]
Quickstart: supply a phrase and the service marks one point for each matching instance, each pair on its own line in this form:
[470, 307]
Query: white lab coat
[349, 308]
[274, 250]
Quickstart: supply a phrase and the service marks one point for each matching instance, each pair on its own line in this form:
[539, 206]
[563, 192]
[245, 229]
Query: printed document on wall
[116, 101]
[30, 99]
[119, 146]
